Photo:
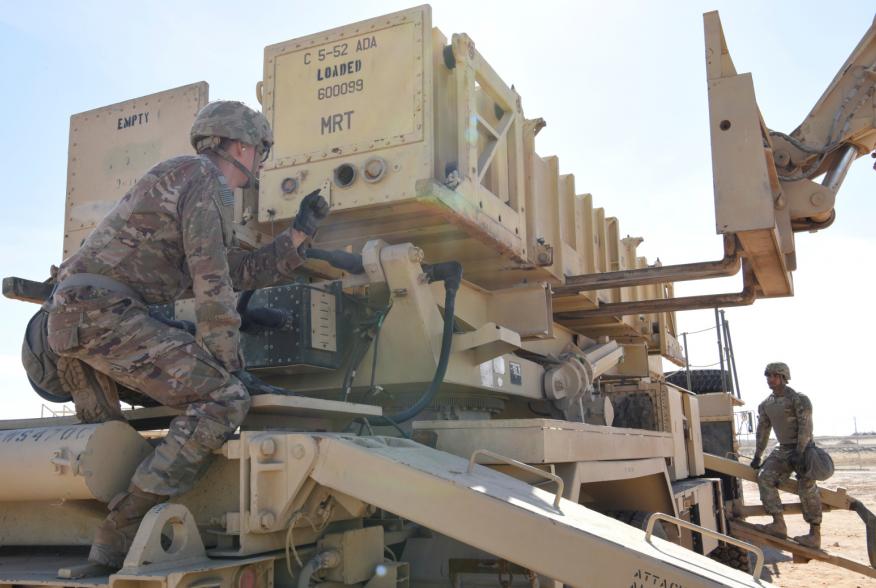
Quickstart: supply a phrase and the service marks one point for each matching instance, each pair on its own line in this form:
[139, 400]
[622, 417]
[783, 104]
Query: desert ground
[842, 531]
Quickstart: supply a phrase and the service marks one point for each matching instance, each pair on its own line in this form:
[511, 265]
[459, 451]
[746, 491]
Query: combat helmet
[779, 368]
[226, 119]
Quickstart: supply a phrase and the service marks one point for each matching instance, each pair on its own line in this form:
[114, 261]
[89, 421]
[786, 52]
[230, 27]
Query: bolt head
[267, 519]
[268, 447]
[817, 199]
[298, 451]
[415, 254]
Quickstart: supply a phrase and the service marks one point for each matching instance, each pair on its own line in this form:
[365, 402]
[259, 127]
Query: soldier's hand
[311, 212]
[755, 463]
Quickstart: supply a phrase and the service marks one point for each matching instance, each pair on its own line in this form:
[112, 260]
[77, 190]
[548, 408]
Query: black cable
[356, 356]
[360, 348]
[339, 259]
[375, 345]
[451, 274]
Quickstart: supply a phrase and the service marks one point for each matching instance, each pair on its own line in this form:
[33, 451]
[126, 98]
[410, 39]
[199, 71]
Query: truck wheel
[639, 520]
[731, 556]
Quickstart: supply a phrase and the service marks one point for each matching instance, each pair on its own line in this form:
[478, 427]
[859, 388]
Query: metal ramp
[748, 532]
[508, 518]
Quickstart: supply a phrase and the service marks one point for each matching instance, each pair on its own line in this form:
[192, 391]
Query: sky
[620, 84]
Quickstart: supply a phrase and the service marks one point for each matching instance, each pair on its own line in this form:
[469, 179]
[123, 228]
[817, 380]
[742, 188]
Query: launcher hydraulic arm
[765, 181]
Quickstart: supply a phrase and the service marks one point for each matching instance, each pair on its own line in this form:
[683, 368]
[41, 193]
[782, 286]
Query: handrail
[726, 266]
[747, 296]
[525, 467]
[757, 551]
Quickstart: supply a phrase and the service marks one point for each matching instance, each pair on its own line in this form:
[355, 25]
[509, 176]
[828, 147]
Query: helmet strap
[252, 179]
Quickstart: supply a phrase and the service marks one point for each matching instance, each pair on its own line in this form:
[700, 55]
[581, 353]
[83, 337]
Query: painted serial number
[340, 89]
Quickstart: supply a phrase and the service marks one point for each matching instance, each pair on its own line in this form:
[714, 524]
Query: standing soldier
[789, 414]
[171, 234]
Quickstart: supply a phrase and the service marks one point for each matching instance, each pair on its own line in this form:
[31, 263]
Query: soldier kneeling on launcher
[171, 234]
[789, 414]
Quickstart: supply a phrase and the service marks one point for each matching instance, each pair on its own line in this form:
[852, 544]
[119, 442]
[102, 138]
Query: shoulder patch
[226, 194]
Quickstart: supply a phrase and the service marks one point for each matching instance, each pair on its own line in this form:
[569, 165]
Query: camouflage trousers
[115, 335]
[777, 469]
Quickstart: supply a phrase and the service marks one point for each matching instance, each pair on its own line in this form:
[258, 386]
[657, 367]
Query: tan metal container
[113, 146]
[413, 136]
[77, 462]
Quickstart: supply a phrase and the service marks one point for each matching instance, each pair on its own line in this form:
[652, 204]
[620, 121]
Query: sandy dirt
[842, 532]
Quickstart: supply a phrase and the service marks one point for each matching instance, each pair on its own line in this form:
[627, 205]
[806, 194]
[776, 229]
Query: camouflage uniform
[169, 235]
[790, 415]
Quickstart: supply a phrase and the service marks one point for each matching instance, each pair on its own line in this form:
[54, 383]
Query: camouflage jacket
[790, 415]
[171, 233]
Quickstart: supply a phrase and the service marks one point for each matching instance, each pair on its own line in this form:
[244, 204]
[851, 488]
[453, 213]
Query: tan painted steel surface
[717, 405]
[693, 434]
[620, 485]
[668, 417]
[266, 409]
[111, 147]
[491, 511]
[77, 462]
[50, 523]
[700, 495]
[547, 441]
[452, 169]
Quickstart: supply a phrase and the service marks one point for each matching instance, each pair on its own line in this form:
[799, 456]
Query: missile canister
[76, 462]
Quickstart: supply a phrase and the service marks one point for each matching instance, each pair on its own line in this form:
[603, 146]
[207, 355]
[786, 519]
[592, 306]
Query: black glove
[311, 212]
[755, 463]
[255, 386]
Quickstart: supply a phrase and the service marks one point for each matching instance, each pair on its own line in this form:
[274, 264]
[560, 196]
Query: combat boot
[116, 533]
[777, 527]
[95, 395]
[813, 539]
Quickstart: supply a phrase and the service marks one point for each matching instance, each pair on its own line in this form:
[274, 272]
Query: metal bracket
[176, 523]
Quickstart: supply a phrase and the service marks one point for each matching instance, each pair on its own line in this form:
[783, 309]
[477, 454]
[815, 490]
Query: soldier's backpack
[40, 362]
[817, 463]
